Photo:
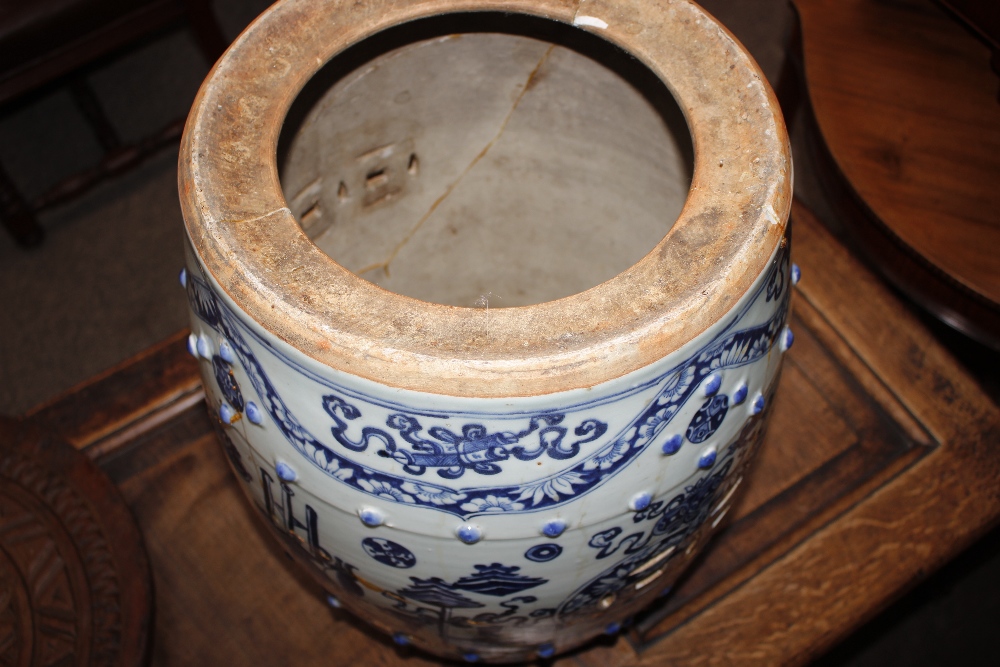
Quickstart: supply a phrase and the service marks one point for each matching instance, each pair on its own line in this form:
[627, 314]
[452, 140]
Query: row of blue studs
[711, 386]
[228, 415]
[201, 346]
[469, 533]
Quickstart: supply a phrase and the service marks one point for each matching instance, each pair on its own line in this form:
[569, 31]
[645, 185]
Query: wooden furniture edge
[830, 584]
[126, 400]
[920, 279]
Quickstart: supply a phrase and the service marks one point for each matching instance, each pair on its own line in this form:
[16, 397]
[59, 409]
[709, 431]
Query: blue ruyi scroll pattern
[480, 452]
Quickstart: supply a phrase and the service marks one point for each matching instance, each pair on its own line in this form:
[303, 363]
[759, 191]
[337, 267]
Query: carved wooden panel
[74, 581]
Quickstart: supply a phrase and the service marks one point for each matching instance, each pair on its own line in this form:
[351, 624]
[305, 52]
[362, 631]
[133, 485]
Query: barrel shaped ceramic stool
[473, 457]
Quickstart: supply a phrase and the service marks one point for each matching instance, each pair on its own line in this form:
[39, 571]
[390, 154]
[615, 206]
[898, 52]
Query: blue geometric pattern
[388, 552]
[542, 553]
[227, 382]
[708, 419]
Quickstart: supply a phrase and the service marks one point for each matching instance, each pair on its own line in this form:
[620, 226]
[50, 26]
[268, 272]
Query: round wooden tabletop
[906, 105]
[74, 578]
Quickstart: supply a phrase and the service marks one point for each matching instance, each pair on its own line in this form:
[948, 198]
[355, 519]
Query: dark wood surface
[906, 127]
[880, 464]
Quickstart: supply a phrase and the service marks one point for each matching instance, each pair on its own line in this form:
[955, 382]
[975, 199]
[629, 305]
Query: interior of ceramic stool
[485, 160]
[240, 222]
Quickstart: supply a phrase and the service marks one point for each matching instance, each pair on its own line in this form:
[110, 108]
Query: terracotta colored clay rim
[241, 229]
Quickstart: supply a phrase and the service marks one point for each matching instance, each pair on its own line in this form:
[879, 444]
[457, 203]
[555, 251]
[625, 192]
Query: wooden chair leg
[791, 80]
[16, 215]
[88, 104]
[206, 29]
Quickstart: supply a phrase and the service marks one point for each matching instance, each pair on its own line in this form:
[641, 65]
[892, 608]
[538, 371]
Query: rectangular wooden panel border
[849, 569]
[126, 400]
[785, 520]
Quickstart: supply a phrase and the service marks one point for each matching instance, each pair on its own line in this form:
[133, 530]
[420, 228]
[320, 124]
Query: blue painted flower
[609, 455]
[676, 385]
[492, 503]
[654, 424]
[384, 490]
[563, 484]
[432, 494]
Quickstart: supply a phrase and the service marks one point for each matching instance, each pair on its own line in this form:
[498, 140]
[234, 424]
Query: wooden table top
[880, 464]
[905, 103]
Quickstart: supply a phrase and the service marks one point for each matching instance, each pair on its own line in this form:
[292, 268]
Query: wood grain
[136, 395]
[904, 103]
[849, 569]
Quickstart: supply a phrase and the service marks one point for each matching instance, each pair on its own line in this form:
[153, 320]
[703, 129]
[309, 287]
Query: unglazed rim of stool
[240, 226]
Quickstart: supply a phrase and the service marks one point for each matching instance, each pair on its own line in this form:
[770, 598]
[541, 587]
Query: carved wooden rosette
[74, 578]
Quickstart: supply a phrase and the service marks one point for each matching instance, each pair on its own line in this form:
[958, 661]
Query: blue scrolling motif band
[475, 449]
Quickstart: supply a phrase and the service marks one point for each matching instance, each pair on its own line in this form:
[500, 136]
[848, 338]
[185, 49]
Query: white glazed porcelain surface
[451, 521]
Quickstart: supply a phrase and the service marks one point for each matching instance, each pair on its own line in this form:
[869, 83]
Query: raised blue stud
[470, 657]
[796, 274]
[285, 472]
[673, 445]
[711, 385]
[787, 338]
[226, 351]
[227, 414]
[554, 528]
[254, 414]
[758, 405]
[740, 394]
[193, 345]
[546, 651]
[666, 591]
[333, 601]
[371, 516]
[612, 628]
[401, 639]
[640, 501]
[183, 277]
[707, 458]
[469, 533]
[204, 347]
